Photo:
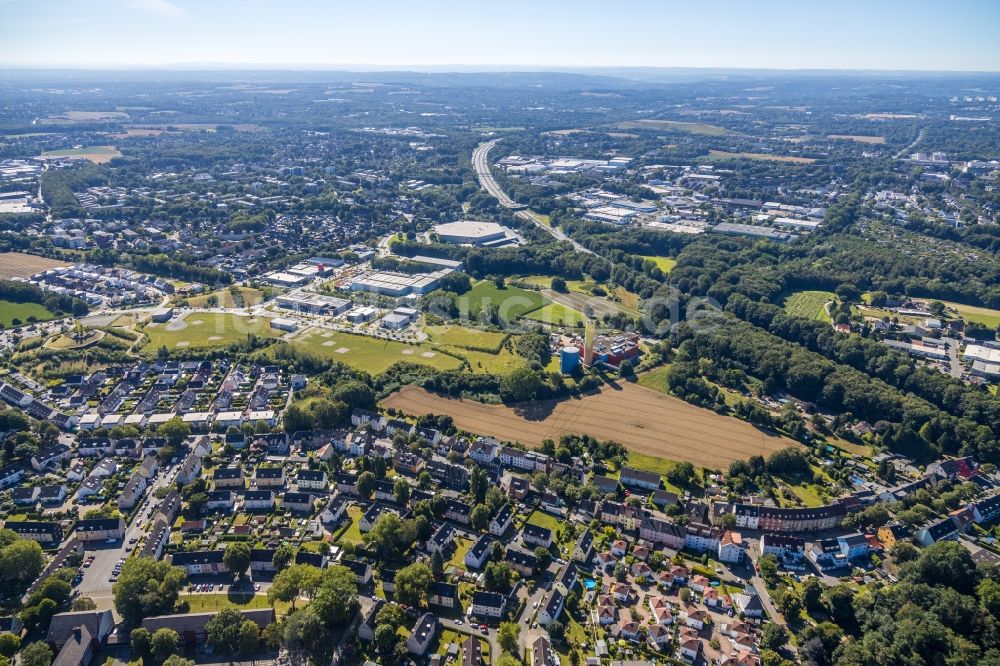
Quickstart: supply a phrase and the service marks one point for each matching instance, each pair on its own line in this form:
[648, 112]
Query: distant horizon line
[457, 68]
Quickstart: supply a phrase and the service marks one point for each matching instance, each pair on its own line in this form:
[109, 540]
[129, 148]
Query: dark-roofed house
[300, 502]
[366, 630]
[25, 496]
[986, 510]
[942, 529]
[488, 604]
[262, 559]
[442, 539]
[258, 500]
[604, 484]
[269, 477]
[442, 594]
[78, 650]
[583, 551]
[422, 635]
[536, 535]
[228, 477]
[362, 570]
[472, 652]
[522, 562]
[501, 522]
[220, 500]
[99, 623]
[334, 511]
[311, 479]
[100, 529]
[477, 555]
[541, 653]
[158, 538]
[199, 562]
[191, 626]
[46, 534]
[551, 609]
[318, 560]
[636, 478]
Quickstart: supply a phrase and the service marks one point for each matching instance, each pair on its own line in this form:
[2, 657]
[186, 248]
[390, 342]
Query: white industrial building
[282, 324]
[398, 284]
[471, 232]
[314, 303]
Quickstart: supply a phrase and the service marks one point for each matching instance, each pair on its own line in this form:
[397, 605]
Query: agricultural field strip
[639, 418]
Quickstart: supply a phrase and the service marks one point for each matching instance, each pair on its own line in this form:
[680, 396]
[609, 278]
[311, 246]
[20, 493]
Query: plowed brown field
[643, 420]
[20, 265]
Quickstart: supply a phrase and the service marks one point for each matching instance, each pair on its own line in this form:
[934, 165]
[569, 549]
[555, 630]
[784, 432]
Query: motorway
[488, 183]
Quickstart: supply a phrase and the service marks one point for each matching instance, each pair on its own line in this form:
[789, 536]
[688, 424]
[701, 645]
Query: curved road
[488, 183]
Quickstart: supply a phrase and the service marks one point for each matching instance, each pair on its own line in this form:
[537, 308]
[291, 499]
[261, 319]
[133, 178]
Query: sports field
[809, 304]
[206, 329]
[20, 265]
[513, 302]
[643, 420]
[9, 311]
[373, 355]
[95, 154]
[665, 264]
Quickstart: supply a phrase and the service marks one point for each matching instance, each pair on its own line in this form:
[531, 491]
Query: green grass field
[372, 355]
[975, 314]
[206, 603]
[214, 330]
[462, 336]
[557, 314]
[9, 311]
[248, 297]
[542, 519]
[353, 532]
[809, 304]
[512, 302]
[494, 364]
[665, 264]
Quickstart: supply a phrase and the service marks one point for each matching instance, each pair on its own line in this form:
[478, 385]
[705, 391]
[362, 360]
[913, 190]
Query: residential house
[731, 547]
[583, 549]
[48, 535]
[422, 635]
[311, 479]
[200, 562]
[191, 626]
[892, 534]
[488, 604]
[258, 500]
[536, 535]
[228, 477]
[269, 477]
[362, 570]
[300, 502]
[477, 555]
[100, 529]
[443, 595]
[941, 529]
[636, 478]
[133, 492]
[502, 521]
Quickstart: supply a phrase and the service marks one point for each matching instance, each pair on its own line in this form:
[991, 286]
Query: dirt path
[643, 420]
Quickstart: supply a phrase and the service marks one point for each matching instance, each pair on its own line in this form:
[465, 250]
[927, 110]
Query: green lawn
[208, 329]
[542, 519]
[494, 364]
[462, 336]
[462, 546]
[373, 355]
[353, 532]
[557, 314]
[809, 304]
[665, 264]
[244, 297]
[9, 311]
[655, 379]
[204, 603]
[512, 302]
[972, 313]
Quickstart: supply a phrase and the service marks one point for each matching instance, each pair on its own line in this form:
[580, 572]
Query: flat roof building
[470, 232]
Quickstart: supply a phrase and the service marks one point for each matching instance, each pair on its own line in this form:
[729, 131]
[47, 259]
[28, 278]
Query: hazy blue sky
[869, 34]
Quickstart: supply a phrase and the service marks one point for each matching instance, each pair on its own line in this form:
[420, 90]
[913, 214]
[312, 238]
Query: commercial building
[283, 324]
[471, 232]
[314, 304]
[398, 284]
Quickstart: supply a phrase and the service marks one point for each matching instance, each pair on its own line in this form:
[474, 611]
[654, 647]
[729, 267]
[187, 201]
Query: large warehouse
[471, 232]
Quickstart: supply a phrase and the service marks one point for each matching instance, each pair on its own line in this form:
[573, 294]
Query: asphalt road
[488, 183]
[95, 583]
